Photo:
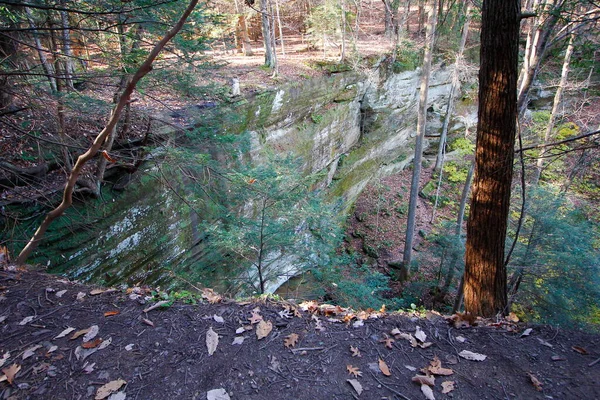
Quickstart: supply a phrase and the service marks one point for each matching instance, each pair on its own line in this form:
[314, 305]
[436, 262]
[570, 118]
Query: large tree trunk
[421, 123]
[270, 57]
[485, 272]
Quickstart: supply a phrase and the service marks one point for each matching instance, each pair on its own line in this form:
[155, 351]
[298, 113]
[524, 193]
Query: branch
[540, 146]
[67, 200]
[74, 11]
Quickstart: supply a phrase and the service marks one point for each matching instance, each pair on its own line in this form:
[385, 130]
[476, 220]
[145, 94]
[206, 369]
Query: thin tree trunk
[421, 123]
[557, 99]
[68, 69]
[343, 49]
[270, 60]
[48, 70]
[453, 89]
[485, 271]
[280, 28]
[421, 17]
[67, 199]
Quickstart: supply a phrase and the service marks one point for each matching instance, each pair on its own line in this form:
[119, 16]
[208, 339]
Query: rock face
[352, 126]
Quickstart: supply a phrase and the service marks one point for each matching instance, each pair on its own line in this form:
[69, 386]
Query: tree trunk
[280, 28]
[454, 88]
[48, 70]
[557, 99]
[67, 199]
[421, 123]
[485, 272]
[68, 69]
[422, 16]
[270, 60]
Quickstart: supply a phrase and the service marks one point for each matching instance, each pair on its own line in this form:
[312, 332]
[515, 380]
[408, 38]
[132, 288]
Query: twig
[397, 393]
[307, 349]
[594, 362]
[160, 303]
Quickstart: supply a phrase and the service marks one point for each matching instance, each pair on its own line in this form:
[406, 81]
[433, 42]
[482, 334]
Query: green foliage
[463, 145]
[316, 118]
[408, 58]
[456, 173]
[559, 262]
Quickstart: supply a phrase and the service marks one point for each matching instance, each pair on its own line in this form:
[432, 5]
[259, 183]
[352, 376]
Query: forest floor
[64, 340]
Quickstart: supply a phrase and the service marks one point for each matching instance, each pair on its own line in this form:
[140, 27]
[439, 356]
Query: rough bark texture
[485, 273]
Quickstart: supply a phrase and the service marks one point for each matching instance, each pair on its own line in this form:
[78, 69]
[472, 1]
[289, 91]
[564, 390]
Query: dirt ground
[308, 351]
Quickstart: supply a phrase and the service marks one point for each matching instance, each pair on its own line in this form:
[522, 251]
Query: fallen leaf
[291, 340]
[107, 157]
[353, 371]
[527, 332]
[428, 392]
[238, 340]
[240, 330]
[30, 351]
[60, 294]
[558, 358]
[105, 344]
[355, 352]
[355, 385]
[156, 305]
[410, 368]
[406, 336]
[111, 313]
[275, 365]
[88, 368]
[424, 380]
[96, 292]
[420, 335]
[512, 317]
[3, 318]
[129, 347]
[10, 373]
[211, 296]
[285, 313]
[106, 390]
[91, 344]
[535, 381]
[384, 368]
[469, 355]
[358, 323]
[80, 296]
[263, 329]
[27, 320]
[255, 318]
[91, 334]
[461, 339]
[212, 341]
[447, 386]
[580, 350]
[118, 396]
[217, 394]
[218, 319]
[65, 333]
[52, 349]
[544, 343]
[148, 322]
[388, 342]
[435, 367]
[425, 345]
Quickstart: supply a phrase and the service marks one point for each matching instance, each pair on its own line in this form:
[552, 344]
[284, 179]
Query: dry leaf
[107, 157]
[527, 332]
[111, 313]
[558, 358]
[217, 394]
[60, 294]
[536, 382]
[4, 358]
[105, 344]
[88, 368]
[580, 350]
[428, 392]
[240, 330]
[263, 329]
[10, 373]
[91, 344]
[95, 292]
[425, 345]
[148, 322]
[353, 371]
[358, 323]
[388, 342]
[461, 339]
[80, 296]
[424, 380]
[211, 296]
[469, 355]
[420, 335]
[238, 340]
[512, 317]
[155, 306]
[355, 385]
[410, 368]
[118, 396]
[27, 320]
[218, 319]
[64, 333]
[91, 333]
[212, 341]
[255, 318]
[291, 340]
[355, 352]
[384, 368]
[106, 390]
[406, 336]
[129, 347]
[544, 343]
[30, 351]
[435, 367]
[447, 386]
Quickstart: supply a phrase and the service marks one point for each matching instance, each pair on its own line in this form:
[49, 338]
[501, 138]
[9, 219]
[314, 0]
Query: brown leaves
[355, 352]
[384, 368]
[10, 373]
[353, 371]
[388, 342]
[424, 380]
[580, 350]
[447, 386]
[107, 157]
[535, 381]
[291, 340]
[210, 296]
[255, 318]
[111, 313]
[91, 344]
[435, 368]
[79, 333]
[263, 329]
[106, 390]
[212, 341]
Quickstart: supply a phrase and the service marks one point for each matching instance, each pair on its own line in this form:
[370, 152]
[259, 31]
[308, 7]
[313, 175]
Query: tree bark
[68, 68]
[270, 58]
[67, 199]
[485, 272]
[48, 70]
[421, 123]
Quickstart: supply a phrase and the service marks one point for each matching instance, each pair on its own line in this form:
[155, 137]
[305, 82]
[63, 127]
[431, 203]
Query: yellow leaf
[291, 340]
[11, 372]
[353, 371]
[384, 368]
